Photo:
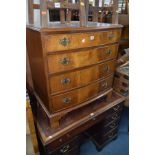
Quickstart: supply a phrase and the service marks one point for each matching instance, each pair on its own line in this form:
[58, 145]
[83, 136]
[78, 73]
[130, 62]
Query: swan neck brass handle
[65, 61]
[112, 125]
[115, 117]
[110, 135]
[64, 41]
[116, 108]
[67, 100]
[65, 81]
[65, 149]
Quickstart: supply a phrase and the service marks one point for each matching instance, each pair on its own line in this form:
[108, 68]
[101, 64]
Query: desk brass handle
[65, 61]
[65, 81]
[112, 125]
[67, 100]
[109, 52]
[110, 135]
[115, 117]
[116, 108]
[111, 36]
[64, 41]
[65, 149]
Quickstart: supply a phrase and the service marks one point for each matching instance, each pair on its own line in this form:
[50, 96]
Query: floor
[120, 146]
[29, 147]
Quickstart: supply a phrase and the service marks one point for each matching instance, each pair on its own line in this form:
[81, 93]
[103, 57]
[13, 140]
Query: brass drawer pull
[116, 108]
[67, 100]
[111, 36]
[110, 135]
[105, 84]
[109, 52]
[65, 81]
[106, 68]
[65, 61]
[64, 41]
[112, 125]
[115, 117]
[65, 149]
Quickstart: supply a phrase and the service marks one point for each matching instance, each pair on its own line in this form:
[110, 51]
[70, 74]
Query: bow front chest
[70, 66]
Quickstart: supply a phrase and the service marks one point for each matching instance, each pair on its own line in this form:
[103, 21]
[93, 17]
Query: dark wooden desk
[99, 122]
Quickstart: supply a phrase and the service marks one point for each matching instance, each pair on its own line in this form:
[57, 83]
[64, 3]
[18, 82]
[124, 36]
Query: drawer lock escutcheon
[111, 36]
[65, 61]
[65, 81]
[67, 100]
[64, 41]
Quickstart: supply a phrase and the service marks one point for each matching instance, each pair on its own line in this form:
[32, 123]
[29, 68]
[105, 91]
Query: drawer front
[113, 117]
[68, 61]
[60, 42]
[67, 81]
[77, 96]
[101, 139]
[116, 109]
[102, 128]
[66, 149]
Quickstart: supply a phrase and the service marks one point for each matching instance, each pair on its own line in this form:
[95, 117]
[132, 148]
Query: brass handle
[111, 36]
[67, 100]
[110, 135]
[115, 117]
[109, 52]
[105, 84]
[65, 61]
[116, 108]
[65, 149]
[65, 81]
[112, 125]
[64, 41]
[106, 68]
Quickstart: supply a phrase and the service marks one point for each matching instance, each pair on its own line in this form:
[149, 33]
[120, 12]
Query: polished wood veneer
[77, 78]
[81, 40]
[81, 58]
[80, 95]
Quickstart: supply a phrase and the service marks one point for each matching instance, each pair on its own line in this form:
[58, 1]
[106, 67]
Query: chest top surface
[74, 26]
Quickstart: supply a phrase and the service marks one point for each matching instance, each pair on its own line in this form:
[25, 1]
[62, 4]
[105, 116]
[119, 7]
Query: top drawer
[60, 42]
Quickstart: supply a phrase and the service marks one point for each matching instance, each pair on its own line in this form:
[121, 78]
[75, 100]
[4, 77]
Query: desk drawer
[60, 42]
[101, 128]
[101, 139]
[77, 96]
[68, 61]
[67, 81]
[115, 110]
[68, 148]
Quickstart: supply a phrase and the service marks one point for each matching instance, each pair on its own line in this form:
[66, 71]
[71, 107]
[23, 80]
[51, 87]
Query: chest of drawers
[70, 66]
